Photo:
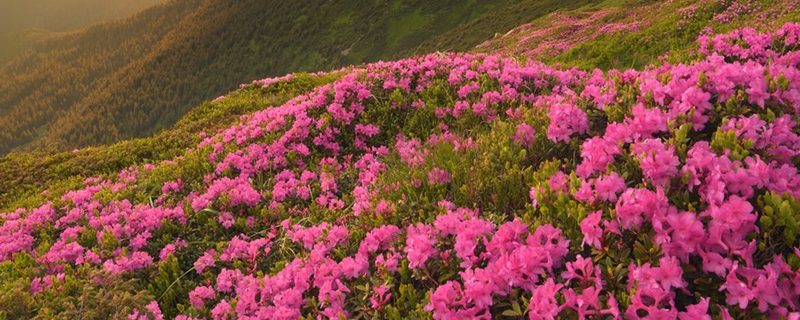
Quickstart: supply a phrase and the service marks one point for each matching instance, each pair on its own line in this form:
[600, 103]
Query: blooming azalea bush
[636, 33]
[451, 186]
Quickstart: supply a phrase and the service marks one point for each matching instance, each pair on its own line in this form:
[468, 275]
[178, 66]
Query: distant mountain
[12, 44]
[133, 77]
[61, 15]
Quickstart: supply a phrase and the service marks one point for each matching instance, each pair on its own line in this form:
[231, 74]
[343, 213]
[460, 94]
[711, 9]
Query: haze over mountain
[133, 77]
[64, 15]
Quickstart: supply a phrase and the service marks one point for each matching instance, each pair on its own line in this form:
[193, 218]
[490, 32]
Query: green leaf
[511, 313]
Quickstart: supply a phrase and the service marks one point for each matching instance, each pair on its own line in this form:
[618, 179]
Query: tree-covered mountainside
[12, 44]
[134, 77]
[64, 15]
[519, 180]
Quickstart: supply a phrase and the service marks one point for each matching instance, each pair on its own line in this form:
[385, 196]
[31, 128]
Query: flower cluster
[676, 179]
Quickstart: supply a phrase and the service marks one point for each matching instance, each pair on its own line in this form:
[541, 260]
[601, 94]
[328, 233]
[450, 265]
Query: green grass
[406, 25]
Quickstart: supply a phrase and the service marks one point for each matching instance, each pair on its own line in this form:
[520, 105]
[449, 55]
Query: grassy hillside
[445, 186]
[633, 33]
[174, 60]
[60, 15]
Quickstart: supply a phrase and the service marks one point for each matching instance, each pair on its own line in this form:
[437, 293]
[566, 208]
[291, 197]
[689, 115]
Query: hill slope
[15, 43]
[442, 186]
[179, 59]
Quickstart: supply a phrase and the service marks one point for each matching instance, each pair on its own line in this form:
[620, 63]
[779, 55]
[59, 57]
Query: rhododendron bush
[454, 186]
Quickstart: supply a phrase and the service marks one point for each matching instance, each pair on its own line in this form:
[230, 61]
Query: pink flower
[757, 91]
[584, 271]
[419, 245]
[524, 135]
[197, 296]
[597, 153]
[739, 293]
[379, 239]
[669, 273]
[590, 227]
[566, 119]
[226, 219]
[687, 234]
[227, 279]
[697, 311]
[205, 261]
[166, 252]
[658, 162]
[380, 298]
[221, 311]
[152, 308]
[543, 303]
[558, 182]
[354, 267]
[438, 176]
[607, 187]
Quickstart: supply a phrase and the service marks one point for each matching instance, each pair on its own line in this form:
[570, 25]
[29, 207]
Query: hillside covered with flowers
[444, 186]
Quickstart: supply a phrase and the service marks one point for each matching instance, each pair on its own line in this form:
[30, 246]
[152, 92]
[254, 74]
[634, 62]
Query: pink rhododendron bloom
[439, 176]
[543, 303]
[419, 245]
[532, 195]
[380, 298]
[739, 293]
[697, 311]
[607, 187]
[585, 193]
[221, 311]
[153, 309]
[582, 302]
[379, 239]
[226, 219]
[227, 279]
[199, 294]
[658, 162]
[590, 227]
[205, 261]
[597, 153]
[583, 271]
[524, 135]
[566, 119]
[507, 238]
[757, 92]
[558, 182]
